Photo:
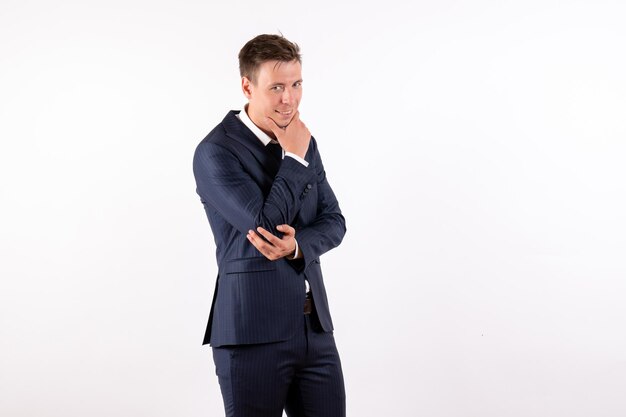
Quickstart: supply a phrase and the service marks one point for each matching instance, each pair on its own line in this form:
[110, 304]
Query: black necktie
[276, 150]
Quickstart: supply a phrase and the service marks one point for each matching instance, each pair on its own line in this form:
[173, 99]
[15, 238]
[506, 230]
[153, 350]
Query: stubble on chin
[288, 123]
[280, 125]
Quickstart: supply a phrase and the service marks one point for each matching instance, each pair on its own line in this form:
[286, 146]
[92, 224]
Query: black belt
[308, 304]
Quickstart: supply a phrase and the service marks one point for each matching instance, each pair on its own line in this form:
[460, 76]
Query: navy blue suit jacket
[242, 185]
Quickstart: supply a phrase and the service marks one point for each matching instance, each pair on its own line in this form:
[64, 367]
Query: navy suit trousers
[301, 375]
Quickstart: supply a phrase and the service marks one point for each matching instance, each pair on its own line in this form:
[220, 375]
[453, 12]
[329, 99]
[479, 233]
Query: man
[272, 212]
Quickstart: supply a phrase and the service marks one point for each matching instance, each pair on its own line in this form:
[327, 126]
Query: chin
[288, 122]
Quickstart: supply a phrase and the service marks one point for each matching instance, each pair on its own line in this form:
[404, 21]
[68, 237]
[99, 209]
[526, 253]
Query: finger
[267, 235]
[278, 246]
[273, 126]
[295, 120]
[257, 241]
[262, 246]
[287, 230]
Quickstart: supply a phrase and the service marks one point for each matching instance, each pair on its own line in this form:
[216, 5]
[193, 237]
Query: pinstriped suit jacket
[242, 185]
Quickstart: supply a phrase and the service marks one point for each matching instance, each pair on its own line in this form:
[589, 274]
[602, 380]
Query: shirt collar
[263, 137]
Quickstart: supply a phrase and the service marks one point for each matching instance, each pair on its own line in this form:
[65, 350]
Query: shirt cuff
[297, 158]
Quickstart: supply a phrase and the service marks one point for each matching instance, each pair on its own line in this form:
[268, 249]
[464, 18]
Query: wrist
[295, 254]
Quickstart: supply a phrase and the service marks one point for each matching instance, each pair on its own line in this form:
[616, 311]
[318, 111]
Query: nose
[287, 96]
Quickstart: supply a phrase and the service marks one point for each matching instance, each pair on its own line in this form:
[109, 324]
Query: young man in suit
[273, 213]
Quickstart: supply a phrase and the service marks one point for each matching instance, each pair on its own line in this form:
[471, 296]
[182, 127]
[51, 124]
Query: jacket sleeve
[329, 227]
[224, 184]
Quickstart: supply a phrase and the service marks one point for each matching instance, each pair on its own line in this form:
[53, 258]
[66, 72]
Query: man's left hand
[275, 248]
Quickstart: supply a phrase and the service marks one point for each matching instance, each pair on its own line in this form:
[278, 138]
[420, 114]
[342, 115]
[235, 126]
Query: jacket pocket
[243, 265]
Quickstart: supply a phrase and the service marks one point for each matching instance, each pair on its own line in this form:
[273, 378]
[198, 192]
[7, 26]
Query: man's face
[276, 93]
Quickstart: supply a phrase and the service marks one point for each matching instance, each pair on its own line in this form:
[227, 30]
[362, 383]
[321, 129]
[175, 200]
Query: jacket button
[309, 186]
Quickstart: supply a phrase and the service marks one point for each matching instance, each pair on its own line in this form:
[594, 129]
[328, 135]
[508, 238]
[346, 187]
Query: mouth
[284, 113]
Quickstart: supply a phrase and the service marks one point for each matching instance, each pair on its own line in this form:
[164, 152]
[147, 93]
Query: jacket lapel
[236, 130]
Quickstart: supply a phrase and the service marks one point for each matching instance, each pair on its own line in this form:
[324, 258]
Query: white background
[477, 150]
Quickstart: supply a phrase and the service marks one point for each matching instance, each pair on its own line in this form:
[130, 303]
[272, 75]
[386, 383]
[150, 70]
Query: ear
[246, 87]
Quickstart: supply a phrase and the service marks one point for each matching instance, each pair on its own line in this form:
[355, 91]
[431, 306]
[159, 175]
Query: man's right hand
[294, 138]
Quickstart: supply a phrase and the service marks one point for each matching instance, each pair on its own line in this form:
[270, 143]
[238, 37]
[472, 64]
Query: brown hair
[265, 48]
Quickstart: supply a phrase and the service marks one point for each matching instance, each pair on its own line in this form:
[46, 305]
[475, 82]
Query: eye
[277, 88]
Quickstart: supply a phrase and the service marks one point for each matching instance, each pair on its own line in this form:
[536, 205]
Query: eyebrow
[275, 84]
